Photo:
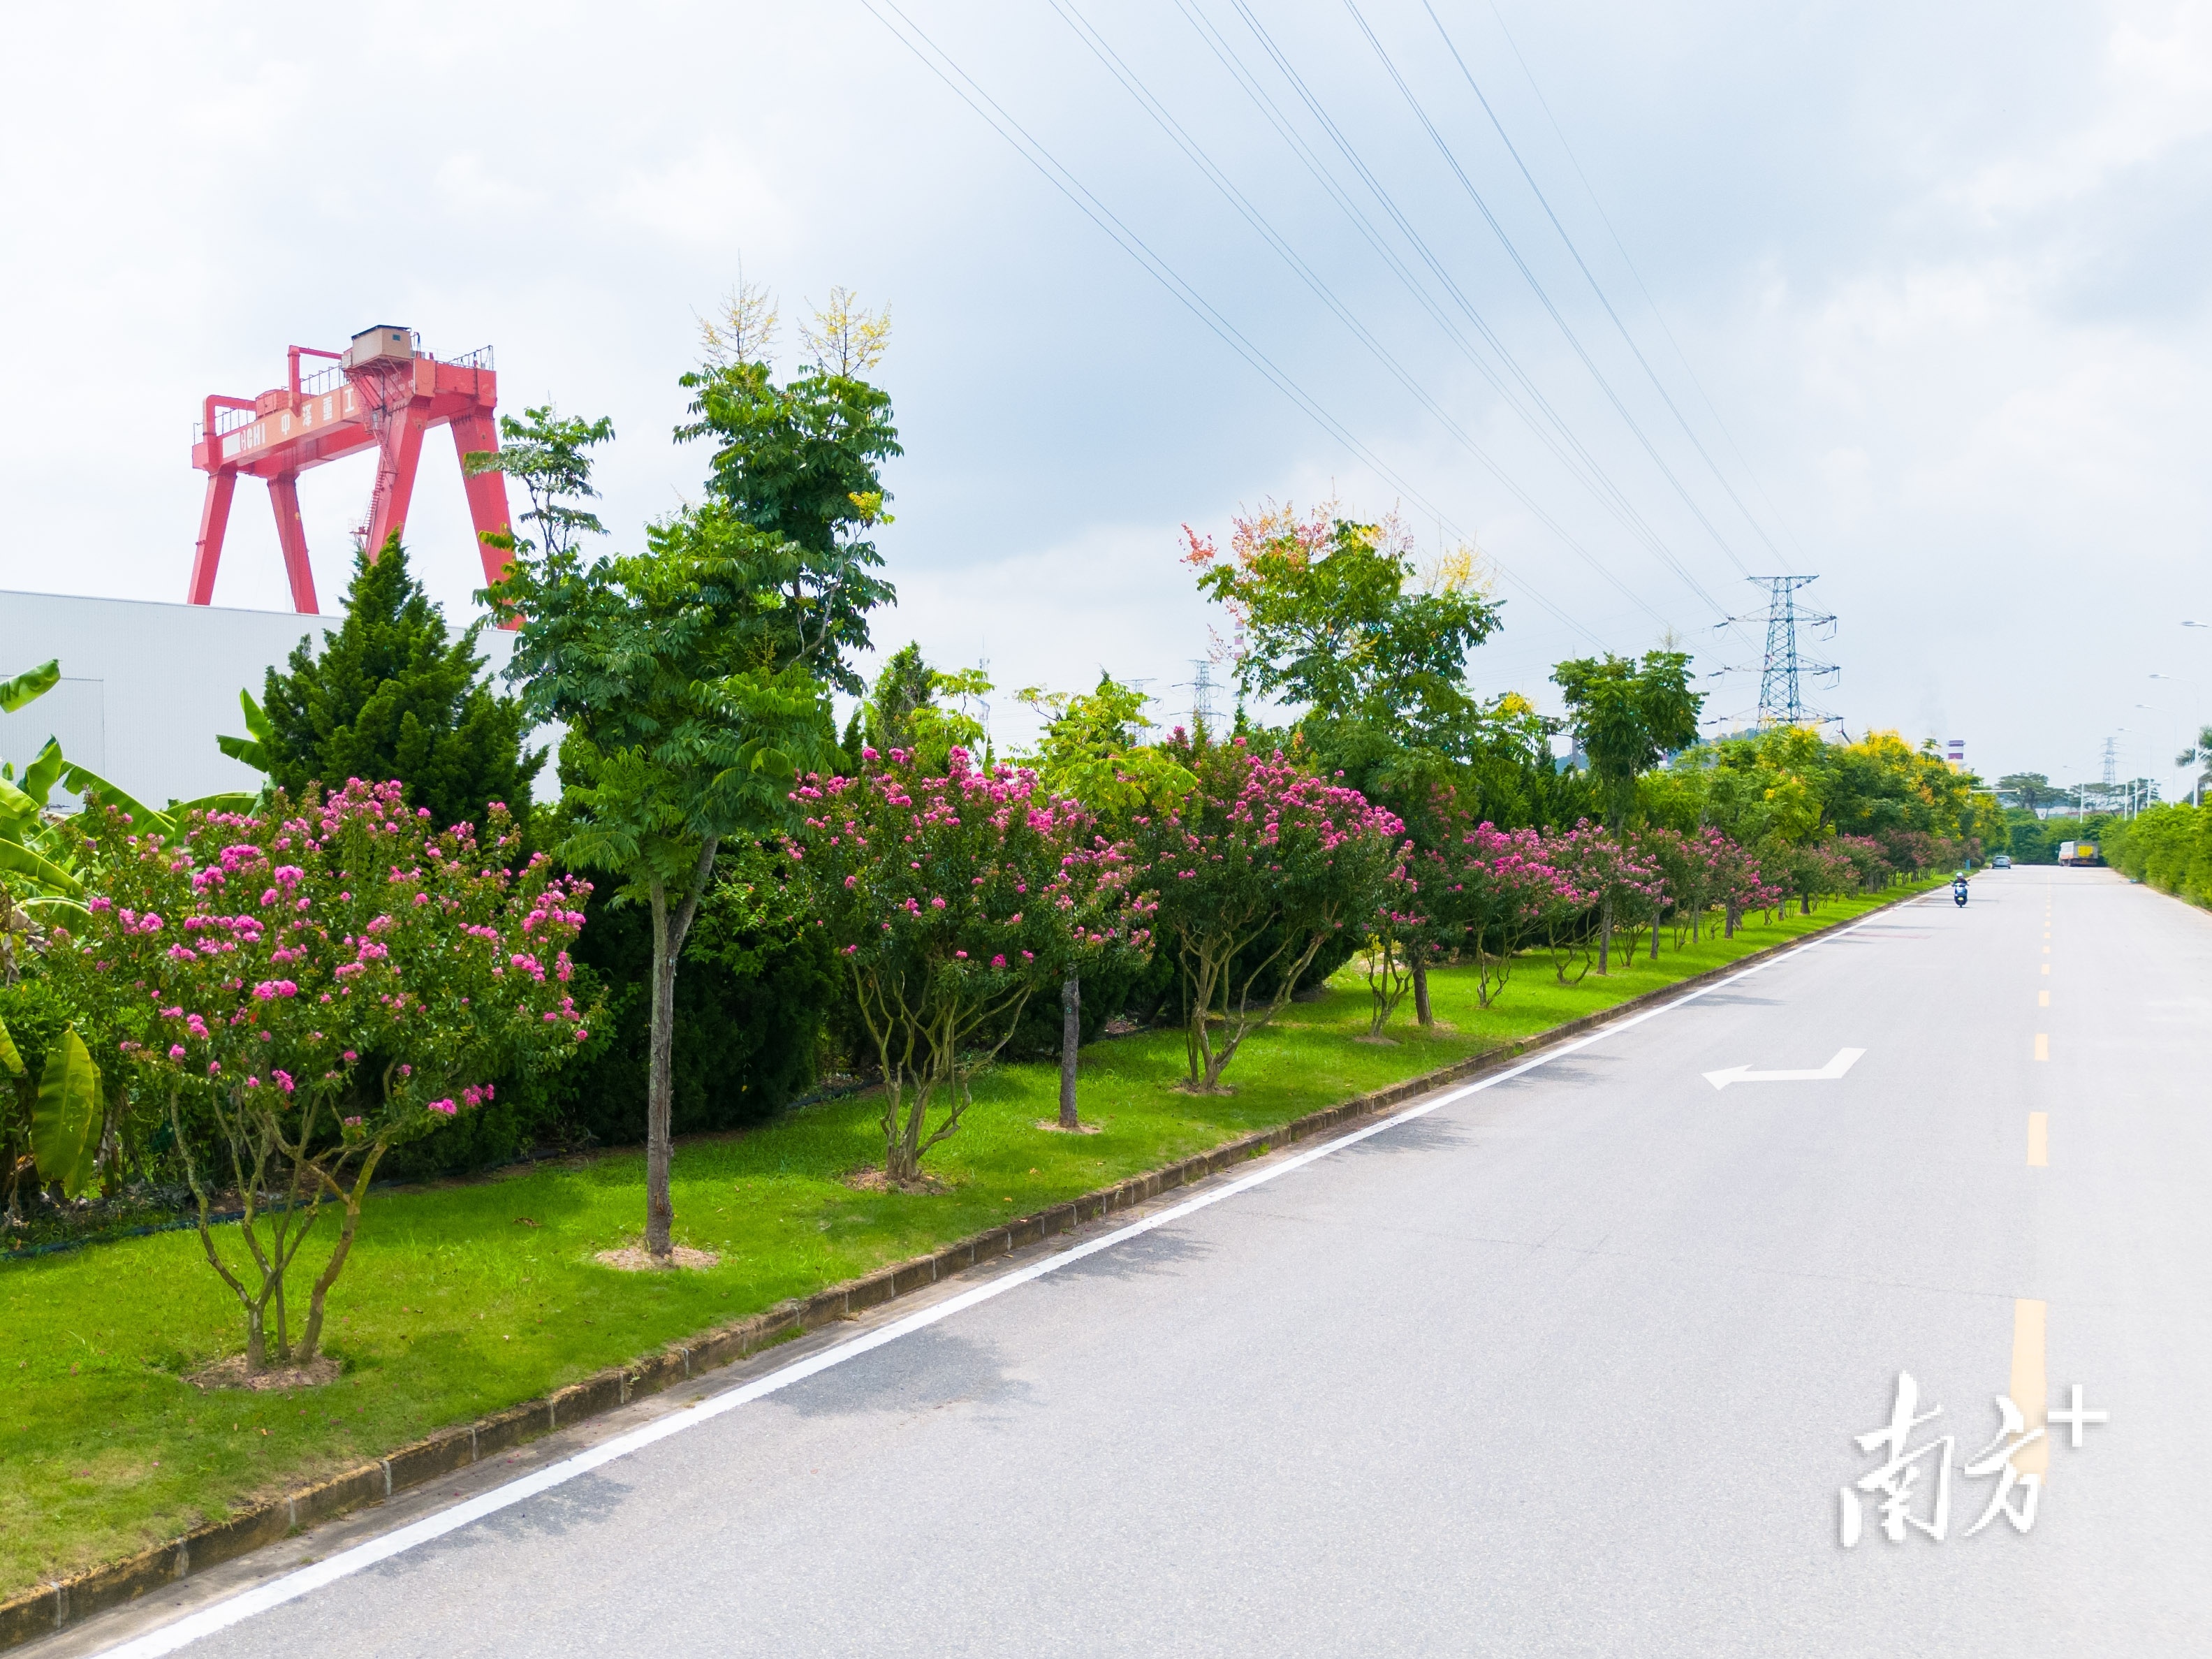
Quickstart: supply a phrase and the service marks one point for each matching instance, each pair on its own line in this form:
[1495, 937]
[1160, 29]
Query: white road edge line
[293, 1585]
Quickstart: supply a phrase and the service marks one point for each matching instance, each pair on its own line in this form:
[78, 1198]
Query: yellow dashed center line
[2043, 1045]
[2030, 1390]
[2043, 999]
[2039, 1140]
[2046, 967]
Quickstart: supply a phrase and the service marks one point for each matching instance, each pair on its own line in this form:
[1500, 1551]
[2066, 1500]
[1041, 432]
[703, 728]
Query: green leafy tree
[391, 695]
[799, 462]
[694, 676]
[903, 685]
[1337, 618]
[688, 718]
[1092, 749]
[2034, 791]
[550, 456]
[1628, 716]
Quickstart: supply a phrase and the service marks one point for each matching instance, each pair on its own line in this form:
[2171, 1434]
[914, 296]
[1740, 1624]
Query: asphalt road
[1573, 1365]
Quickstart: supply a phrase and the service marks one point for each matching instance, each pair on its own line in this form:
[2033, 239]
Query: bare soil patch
[231, 1373]
[1377, 1041]
[636, 1259]
[1054, 1126]
[873, 1179]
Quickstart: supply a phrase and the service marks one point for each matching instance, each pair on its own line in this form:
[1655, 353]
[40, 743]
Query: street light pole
[2196, 703]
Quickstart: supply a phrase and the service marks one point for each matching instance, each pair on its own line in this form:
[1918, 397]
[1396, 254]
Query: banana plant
[67, 1123]
[253, 749]
[29, 685]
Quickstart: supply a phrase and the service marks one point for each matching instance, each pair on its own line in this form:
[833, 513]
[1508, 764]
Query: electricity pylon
[1782, 676]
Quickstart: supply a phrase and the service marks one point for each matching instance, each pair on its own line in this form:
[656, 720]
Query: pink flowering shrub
[1871, 869]
[254, 966]
[1607, 874]
[1255, 869]
[947, 902]
[1489, 889]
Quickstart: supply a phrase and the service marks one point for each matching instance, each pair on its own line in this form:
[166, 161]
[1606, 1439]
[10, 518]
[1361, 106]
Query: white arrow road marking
[1845, 1058]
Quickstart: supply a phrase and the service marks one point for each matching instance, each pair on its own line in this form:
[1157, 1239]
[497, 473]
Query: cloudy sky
[1910, 298]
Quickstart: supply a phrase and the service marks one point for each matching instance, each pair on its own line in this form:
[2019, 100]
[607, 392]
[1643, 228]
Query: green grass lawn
[464, 1298]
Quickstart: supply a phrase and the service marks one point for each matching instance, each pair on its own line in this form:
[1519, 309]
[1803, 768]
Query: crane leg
[215, 516]
[292, 537]
[477, 434]
[396, 460]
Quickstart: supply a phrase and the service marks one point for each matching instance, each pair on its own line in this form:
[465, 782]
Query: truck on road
[2077, 853]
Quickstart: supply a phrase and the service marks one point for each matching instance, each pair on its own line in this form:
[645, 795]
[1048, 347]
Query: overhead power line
[1636, 275]
[1134, 85]
[1596, 287]
[1590, 471]
[963, 86]
[1543, 295]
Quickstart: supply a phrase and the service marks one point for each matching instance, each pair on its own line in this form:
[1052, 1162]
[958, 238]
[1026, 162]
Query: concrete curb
[54, 1606]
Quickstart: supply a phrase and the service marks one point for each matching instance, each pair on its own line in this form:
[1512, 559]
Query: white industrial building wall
[147, 687]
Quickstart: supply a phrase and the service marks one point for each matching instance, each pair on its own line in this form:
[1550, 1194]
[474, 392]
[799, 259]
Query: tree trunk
[659, 1211]
[1423, 1014]
[347, 1225]
[1071, 1039]
[668, 935]
[1655, 936]
[1604, 932]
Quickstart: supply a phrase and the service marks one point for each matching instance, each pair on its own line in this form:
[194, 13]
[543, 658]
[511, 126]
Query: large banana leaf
[82, 781]
[41, 775]
[253, 749]
[240, 800]
[21, 860]
[65, 1124]
[11, 1060]
[18, 811]
[32, 683]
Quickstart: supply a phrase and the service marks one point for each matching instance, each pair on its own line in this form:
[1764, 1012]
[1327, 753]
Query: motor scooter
[1959, 892]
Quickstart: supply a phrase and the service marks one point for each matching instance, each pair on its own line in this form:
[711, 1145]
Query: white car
[2002, 861]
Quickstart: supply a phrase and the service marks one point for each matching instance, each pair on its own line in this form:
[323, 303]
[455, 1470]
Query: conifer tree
[391, 695]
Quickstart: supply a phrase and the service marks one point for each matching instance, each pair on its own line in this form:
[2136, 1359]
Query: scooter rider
[1958, 890]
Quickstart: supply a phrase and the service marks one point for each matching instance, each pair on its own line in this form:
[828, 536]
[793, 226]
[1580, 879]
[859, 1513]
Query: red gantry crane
[382, 393]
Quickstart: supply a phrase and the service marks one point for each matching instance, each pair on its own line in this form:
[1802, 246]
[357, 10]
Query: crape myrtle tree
[1092, 749]
[1404, 938]
[949, 900]
[244, 967]
[1487, 890]
[393, 694]
[694, 676]
[1340, 620]
[1256, 868]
